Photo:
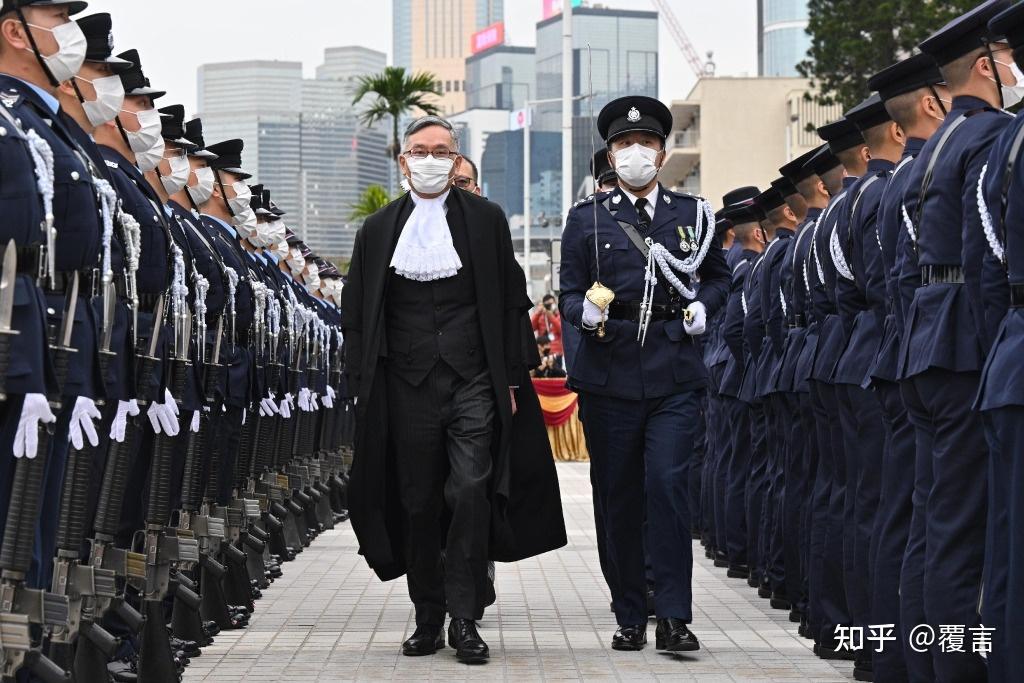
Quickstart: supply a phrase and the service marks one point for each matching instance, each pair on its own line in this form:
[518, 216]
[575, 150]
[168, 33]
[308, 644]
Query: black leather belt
[942, 275]
[630, 310]
[28, 259]
[62, 278]
[1017, 296]
[797, 320]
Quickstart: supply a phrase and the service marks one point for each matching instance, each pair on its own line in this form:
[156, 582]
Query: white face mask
[150, 158]
[71, 48]
[296, 263]
[180, 170]
[203, 189]
[243, 195]
[281, 249]
[429, 175]
[1012, 94]
[311, 276]
[245, 222]
[109, 98]
[148, 135]
[635, 165]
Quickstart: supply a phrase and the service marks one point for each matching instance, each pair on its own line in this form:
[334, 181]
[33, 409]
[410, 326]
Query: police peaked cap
[739, 206]
[913, 73]
[134, 80]
[1009, 23]
[740, 194]
[769, 200]
[73, 7]
[841, 135]
[634, 113]
[823, 161]
[172, 126]
[967, 32]
[797, 169]
[600, 168]
[229, 158]
[292, 239]
[194, 134]
[256, 200]
[99, 41]
[868, 114]
[785, 186]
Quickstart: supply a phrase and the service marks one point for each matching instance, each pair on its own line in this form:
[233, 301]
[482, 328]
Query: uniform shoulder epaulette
[11, 98]
[588, 199]
[686, 195]
[111, 164]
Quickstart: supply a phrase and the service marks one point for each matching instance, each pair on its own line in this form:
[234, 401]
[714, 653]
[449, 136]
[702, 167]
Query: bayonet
[7, 286]
[109, 311]
[158, 315]
[70, 305]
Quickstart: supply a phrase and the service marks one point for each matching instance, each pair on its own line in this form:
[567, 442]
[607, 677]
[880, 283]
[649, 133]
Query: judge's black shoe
[470, 648]
[738, 571]
[674, 636]
[630, 637]
[426, 640]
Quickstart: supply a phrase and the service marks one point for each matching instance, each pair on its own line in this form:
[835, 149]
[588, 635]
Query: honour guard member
[860, 297]
[948, 329]
[1001, 396]
[638, 370]
[912, 92]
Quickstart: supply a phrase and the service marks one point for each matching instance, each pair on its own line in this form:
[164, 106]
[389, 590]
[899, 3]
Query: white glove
[245, 414]
[592, 315]
[120, 424]
[304, 396]
[82, 415]
[163, 418]
[195, 423]
[313, 404]
[700, 319]
[286, 409]
[328, 399]
[268, 406]
[170, 404]
[34, 412]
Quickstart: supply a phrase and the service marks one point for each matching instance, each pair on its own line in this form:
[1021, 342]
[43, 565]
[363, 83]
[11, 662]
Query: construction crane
[700, 68]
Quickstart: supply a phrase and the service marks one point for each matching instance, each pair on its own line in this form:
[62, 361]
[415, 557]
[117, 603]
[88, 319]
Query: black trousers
[441, 435]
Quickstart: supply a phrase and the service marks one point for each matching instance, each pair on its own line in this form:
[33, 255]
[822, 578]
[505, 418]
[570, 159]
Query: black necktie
[643, 221]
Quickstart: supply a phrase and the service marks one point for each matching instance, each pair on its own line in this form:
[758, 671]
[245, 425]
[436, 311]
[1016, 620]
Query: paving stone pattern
[329, 619]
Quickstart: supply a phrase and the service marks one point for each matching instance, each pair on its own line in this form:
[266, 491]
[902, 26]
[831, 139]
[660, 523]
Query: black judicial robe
[526, 510]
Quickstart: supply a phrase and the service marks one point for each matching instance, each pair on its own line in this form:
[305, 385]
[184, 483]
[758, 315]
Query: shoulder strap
[631, 232]
[853, 209]
[926, 181]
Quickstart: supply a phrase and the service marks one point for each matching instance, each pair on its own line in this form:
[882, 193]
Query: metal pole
[527, 214]
[567, 105]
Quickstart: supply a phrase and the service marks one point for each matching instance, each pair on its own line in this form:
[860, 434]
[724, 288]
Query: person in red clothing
[546, 321]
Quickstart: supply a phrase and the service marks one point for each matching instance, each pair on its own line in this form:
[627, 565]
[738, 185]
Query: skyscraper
[305, 143]
[434, 36]
[624, 50]
[782, 40]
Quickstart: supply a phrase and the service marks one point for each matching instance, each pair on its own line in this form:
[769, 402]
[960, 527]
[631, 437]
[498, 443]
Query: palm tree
[397, 93]
[370, 201]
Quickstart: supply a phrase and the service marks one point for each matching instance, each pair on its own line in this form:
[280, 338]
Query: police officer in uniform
[949, 325]
[640, 400]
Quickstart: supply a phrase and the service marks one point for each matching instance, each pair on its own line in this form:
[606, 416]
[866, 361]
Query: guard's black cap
[328, 270]
[134, 80]
[868, 114]
[264, 208]
[1009, 23]
[275, 209]
[797, 169]
[769, 200]
[256, 200]
[292, 239]
[912, 73]
[229, 158]
[785, 186]
[634, 113]
[721, 223]
[99, 41]
[967, 32]
[823, 161]
[73, 7]
[740, 194]
[194, 134]
[173, 126]
[601, 169]
[841, 135]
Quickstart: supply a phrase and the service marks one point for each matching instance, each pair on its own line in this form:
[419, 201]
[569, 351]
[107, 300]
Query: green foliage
[370, 201]
[853, 40]
[396, 94]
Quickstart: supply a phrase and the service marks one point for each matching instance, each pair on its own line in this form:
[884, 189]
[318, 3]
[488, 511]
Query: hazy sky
[299, 30]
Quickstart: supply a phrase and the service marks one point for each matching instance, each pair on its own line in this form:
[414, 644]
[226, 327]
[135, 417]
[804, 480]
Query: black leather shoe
[630, 637]
[470, 648]
[674, 636]
[426, 640]
[754, 580]
[796, 616]
[764, 592]
[738, 571]
[780, 601]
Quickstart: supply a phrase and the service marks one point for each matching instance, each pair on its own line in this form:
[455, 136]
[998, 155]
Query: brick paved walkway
[329, 619]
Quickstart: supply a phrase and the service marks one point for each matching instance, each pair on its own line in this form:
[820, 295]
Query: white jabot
[425, 250]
